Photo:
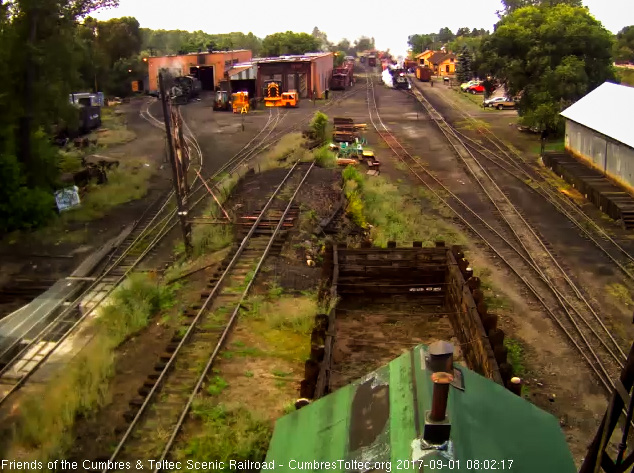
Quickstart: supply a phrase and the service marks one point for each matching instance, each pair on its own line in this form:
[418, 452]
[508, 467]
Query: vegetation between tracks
[44, 428]
[393, 213]
[255, 382]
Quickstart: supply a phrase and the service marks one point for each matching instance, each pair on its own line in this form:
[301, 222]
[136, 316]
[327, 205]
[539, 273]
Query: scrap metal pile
[350, 144]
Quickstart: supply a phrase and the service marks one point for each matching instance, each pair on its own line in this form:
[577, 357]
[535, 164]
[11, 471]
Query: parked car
[476, 89]
[464, 86]
[500, 103]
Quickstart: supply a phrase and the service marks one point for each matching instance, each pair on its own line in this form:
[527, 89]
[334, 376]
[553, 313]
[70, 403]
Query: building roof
[381, 418]
[308, 57]
[440, 56]
[202, 52]
[243, 71]
[607, 110]
[420, 55]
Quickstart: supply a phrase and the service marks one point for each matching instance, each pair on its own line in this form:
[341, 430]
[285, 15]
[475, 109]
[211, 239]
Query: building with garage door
[599, 131]
[309, 73]
[209, 67]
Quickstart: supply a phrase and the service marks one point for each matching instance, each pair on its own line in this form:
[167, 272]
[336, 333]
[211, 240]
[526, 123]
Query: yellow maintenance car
[240, 102]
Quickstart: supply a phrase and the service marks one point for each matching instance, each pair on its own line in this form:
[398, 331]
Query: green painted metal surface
[376, 423]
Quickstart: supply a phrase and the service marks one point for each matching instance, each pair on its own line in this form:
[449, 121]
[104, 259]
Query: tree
[463, 32]
[279, 44]
[445, 35]
[322, 39]
[344, 45]
[551, 56]
[624, 46]
[42, 55]
[464, 70]
[363, 44]
[420, 42]
[511, 5]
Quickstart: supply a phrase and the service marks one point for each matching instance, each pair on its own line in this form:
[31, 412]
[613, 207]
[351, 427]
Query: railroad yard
[228, 345]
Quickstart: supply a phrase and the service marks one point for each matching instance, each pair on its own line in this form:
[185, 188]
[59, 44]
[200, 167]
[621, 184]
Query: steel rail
[606, 381]
[545, 190]
[446, 129]
[230, 323]
[245, 241]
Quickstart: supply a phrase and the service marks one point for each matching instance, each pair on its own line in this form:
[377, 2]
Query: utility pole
[176, 176]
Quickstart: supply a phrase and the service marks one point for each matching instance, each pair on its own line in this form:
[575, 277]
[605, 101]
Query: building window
[235, 61]
[447, 68]
[202, 58]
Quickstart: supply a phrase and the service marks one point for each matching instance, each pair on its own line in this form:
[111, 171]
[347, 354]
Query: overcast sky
[390, 22]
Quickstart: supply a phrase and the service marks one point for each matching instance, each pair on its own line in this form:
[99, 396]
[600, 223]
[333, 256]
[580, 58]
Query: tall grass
[225, 434]
[128, 182]
[287, 150]
[393, 213]
[46, 416]
[323, 157]
[209, 238]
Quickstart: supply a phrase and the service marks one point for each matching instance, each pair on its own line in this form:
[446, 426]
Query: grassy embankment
[254, 383]
[393, 212]
[127, 182]
[44, 426]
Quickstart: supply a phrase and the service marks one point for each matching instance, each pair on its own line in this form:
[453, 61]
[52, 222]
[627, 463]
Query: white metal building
[600, 131]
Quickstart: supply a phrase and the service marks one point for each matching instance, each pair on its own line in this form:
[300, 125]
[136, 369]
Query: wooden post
[182, 212]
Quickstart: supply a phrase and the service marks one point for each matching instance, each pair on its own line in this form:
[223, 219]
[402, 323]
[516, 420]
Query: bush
[133, 303]
[208, 238]
[318, 126]
[324, 157]
[226, 434]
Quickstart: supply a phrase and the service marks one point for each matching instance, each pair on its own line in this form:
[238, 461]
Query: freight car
[342, 77]
[423, 73]
[372, 60]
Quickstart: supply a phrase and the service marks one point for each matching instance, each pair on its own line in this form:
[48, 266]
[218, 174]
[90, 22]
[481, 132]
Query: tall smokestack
[441, 381]
[437, 425]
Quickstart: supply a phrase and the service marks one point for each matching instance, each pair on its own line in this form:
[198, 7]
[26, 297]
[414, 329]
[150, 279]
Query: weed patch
[620, 293]
[128, 182]
[44, 427]
[225, 434]
[396, 216]
[515, 356]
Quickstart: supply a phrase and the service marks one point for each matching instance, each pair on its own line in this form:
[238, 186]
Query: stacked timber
[473, 310]
[345, 130]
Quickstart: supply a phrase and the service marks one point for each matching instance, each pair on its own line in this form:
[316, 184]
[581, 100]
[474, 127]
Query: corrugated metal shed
[243, 72]
[381, 417]
[608, 109]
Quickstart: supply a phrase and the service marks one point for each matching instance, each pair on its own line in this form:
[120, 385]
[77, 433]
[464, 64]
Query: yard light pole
[176, 176]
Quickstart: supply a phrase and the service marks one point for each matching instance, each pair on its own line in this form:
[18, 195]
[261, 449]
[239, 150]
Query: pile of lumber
[345, 130]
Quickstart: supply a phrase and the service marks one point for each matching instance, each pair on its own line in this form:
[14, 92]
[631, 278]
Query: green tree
[279, 44]
[511, 5]
[344, 45]
[551, 56]
[624, 46]
[322, 39]
[420, 42]
[363, 44]
[464, 69]
[445, 35]
[42, 56]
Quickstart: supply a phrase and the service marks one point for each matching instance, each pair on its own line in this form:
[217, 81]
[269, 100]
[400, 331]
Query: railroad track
[24, 356]
[530, 258]
[170, 391]
[517, 166]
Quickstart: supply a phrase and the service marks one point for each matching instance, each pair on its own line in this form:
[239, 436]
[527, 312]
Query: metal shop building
[309, 73]
[599, 131]
[209, 67]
